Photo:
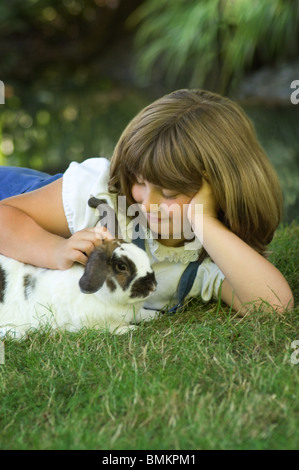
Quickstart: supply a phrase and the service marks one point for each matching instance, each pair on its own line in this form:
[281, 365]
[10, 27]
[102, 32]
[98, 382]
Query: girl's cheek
[177, 209]
[178, 212]
[136, 193]
[168, 208]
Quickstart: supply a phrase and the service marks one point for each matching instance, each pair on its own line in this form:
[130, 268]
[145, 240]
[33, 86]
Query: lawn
[200, 379]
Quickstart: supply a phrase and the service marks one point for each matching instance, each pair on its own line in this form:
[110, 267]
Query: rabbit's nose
[153, 286]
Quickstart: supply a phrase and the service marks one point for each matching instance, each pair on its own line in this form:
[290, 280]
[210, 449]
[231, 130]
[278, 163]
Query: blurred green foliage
[196, 42]
[61, 105]
[38, 33]
[47, 130]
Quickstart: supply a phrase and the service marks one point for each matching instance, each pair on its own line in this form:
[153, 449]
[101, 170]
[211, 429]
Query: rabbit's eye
[121, 266]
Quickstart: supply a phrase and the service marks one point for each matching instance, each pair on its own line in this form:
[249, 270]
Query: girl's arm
[34, 230]
[249, 277]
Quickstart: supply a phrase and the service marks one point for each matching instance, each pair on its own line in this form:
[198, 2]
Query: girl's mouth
[155, 218]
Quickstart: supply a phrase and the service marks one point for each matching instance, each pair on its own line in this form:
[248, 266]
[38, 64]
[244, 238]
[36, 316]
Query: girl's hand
[78, 247]
[206, 199]
[249, 277]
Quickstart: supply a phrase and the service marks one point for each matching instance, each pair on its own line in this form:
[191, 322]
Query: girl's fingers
[83, 242]
[85, 246]
[102, 233]
[80, 257]
[93, 234]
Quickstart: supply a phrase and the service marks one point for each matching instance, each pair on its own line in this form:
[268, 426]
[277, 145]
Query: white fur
[57, 301]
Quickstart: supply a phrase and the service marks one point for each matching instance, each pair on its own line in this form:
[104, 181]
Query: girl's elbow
[279, 304]
[288, 302]
[284, 302]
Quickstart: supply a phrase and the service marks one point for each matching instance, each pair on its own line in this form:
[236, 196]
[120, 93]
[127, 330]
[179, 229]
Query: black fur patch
[2, 284]
[125, 279]
[143, 286]
[111, 285]
[29, 284]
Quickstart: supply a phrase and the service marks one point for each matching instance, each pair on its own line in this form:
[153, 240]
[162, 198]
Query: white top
[90, 178]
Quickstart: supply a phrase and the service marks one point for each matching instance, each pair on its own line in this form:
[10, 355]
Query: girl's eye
[169, 196]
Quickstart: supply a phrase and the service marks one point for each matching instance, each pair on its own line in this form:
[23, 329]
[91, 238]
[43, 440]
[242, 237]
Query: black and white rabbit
[108, 293]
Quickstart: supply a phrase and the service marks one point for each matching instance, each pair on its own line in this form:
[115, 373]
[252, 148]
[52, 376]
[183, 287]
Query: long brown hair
[188, 134]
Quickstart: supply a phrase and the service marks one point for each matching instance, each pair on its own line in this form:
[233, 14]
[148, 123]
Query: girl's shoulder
[95, 167]
[89, 173]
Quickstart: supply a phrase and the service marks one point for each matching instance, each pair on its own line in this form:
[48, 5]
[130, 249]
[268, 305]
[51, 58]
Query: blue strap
[187, 278]
[185, 285]
[136, 238]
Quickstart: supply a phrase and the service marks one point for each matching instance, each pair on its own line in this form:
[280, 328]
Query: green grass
[201, 379]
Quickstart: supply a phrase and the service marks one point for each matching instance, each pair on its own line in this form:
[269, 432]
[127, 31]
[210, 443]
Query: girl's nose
[146, 205]
[150, 200]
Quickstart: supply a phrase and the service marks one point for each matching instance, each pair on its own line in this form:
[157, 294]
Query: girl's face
[165, 210]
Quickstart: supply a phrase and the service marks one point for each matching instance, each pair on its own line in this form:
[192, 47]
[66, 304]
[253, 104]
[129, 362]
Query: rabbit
[108, 293]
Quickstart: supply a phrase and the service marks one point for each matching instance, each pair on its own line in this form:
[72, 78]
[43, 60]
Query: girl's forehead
[164, 173]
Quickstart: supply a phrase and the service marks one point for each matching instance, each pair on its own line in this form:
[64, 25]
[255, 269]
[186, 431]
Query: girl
[190, 149]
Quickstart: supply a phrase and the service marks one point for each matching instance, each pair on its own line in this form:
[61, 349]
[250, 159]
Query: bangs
[167, 162]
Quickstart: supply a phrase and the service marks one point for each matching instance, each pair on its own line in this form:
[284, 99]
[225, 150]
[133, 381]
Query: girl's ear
[107, 218]
[95, 272]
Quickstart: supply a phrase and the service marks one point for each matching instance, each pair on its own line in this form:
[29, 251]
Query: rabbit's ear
[95, 272]
[95, 202]
[108, 217]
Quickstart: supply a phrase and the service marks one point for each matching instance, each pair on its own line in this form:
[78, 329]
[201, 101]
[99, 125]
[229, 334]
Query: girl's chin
[166, 234]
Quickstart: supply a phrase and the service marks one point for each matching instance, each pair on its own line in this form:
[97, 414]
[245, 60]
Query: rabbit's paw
[145, 314]
[120, 330]
[10, 333]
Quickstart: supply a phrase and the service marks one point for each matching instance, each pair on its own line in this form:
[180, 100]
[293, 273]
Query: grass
[201, 379]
